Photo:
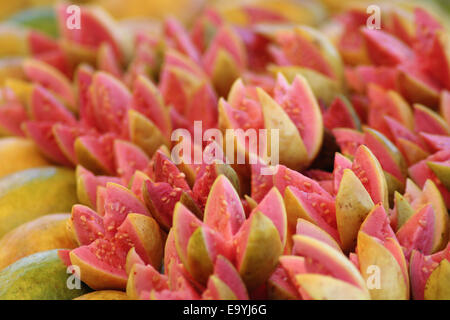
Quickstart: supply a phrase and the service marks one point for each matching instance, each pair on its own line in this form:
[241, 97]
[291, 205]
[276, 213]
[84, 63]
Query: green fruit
[41, 276]
[31, 193]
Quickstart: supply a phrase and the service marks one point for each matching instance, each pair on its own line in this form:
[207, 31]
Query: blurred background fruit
[35, 12]
[34, 195]
[42, 234]
[28, 194]
[19, 154]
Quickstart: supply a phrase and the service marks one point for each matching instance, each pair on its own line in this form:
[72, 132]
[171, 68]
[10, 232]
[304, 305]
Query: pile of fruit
[356, 208]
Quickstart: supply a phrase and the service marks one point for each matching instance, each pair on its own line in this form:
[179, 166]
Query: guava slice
[420, 172]
[83, 80]
[428, 121]
[416, 85]
[225, 283]
[46, 107]
[87, 225]
[279, 286]
[97, 27]
[119, 202]
[300, 104]
[206, 176]
[320, 287]
[87, 184]
[359, 77]
[144, 278]
[418, 231]
[341, 114]
[399, 131]
[387, 103]
[260, 184]
[185, 223]
[66, 136]
[306, 47]
[436, 142]
[174, 30]
[224, 212]
[41, 133]
[160, 198]
[12, 115]
[394, 283]
[148, 101]
[348, 140]
[340, 164]
[129, 158]
[353, 204]
[306, 228]
[385, 49]
[50, 78]
[107, 60]
[110, 103]
[421, 267]
[285, 177]
[166, 171]
[368, 170]
[390, 158]
[256, 266]
[277, 118]
[95, 153]
[203, 248]
[312, 207]
[324, 259]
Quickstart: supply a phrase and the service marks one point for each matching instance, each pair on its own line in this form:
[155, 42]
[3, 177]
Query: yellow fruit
[104, 295]
[22, 90]
[42, 234]
[18, 154]
[31, 193]
[11, 67]
[13, 41]
[302, 12]
[158, 9]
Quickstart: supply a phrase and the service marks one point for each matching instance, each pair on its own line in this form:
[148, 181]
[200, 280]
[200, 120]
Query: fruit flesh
[123, 96]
